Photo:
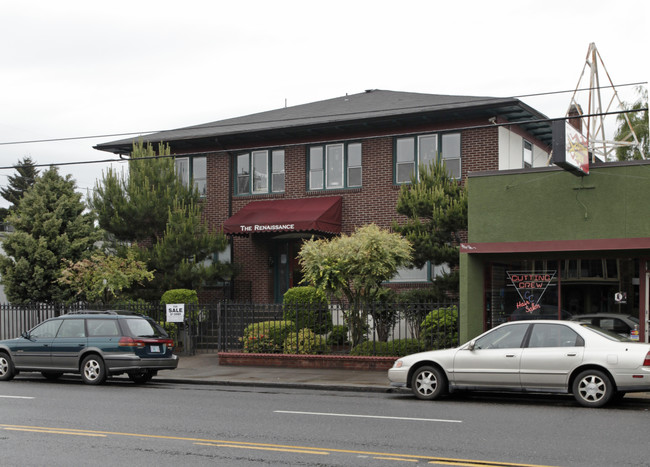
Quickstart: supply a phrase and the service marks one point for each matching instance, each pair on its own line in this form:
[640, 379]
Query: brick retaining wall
[338, 362]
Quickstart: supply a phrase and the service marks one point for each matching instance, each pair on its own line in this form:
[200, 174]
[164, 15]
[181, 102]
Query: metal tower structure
[599, 144]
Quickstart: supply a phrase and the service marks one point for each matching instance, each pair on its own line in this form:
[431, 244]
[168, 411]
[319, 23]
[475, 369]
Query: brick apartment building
[272, 179]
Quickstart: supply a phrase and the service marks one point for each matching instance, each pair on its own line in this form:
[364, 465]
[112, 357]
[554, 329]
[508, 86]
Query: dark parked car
[618, 323]
[94, 344]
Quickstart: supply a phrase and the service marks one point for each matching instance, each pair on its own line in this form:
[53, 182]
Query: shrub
[305, 342]
[339, 335]
[395, 348]
[439, 330]
[308, 308]
[266, 336]
[180, 296]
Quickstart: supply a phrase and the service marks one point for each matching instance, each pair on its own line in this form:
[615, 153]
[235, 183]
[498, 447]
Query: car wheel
[592, 388]
[93, 370]
[6, 367]
[51, 375]
[428, 383]
[140, 377]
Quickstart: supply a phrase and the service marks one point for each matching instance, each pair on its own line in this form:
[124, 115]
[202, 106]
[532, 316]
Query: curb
[268, 384]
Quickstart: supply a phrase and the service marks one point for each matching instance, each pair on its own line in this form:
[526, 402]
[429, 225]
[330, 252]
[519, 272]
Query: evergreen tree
[50, 227]
[436, 207]
[153, 209]
[638, 120]
[20, 183]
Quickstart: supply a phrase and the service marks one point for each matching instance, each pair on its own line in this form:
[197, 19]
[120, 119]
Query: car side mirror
[471, 345]
[25, 335]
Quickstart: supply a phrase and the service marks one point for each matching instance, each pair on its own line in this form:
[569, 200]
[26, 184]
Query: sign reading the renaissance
[531, 287]
[266, 228]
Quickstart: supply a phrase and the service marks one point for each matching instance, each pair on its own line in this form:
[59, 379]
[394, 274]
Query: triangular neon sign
[530, 286]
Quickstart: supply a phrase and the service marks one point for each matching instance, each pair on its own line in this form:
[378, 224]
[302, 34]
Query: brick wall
[373, 203]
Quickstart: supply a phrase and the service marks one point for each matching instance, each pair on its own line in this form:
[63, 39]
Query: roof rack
[91, 312]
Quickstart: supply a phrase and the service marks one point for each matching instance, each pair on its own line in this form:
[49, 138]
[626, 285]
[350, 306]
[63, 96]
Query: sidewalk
[205, 369]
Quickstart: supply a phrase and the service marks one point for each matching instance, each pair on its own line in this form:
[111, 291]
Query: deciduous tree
[353, 267]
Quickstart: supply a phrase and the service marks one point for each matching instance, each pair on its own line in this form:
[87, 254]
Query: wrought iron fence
[377, 329]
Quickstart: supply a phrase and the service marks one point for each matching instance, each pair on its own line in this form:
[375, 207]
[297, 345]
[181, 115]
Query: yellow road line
[430, 459]
[55, 432]
[300, 451]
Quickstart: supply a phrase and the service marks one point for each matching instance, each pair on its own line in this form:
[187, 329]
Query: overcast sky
[73, 69]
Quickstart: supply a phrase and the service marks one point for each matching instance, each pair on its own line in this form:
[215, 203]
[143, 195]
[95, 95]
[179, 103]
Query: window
[266, 176]
[528, 154]
[426, 273]
[193, 168]
[102, 328]
[46, 330]
[72, 328]
[413, 152]
[554, 335]
[506, 337]
[335, 166]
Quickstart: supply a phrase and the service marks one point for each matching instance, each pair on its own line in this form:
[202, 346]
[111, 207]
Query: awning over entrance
[287, 215]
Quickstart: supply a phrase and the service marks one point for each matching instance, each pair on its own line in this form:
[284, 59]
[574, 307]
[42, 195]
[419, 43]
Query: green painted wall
[613, 201]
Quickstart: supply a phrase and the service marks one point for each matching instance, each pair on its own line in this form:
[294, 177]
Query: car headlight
[398, 364]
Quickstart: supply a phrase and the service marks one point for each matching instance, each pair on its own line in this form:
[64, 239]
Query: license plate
[155, 348]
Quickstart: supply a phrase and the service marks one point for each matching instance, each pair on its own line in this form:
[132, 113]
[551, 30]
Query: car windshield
[140, 327]
[603, 332]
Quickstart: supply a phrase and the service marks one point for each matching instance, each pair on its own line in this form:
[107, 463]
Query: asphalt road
[68, 423]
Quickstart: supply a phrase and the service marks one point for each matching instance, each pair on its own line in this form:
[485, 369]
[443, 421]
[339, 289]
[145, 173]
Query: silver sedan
[532, 356]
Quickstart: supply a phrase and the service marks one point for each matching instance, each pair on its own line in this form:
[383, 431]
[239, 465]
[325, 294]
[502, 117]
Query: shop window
[193, 168]
[334, 166]
[414, 152]
[260, 172]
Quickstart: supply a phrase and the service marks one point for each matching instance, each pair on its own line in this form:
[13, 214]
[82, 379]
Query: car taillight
[131, 342]
[169, 343]
[646, 362]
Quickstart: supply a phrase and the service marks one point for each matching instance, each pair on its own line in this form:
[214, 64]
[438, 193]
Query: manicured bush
[266, 336]
[180, 296]
[339, 335]
[305, 342]
[308, 308]
[395, 348]
[439, 330]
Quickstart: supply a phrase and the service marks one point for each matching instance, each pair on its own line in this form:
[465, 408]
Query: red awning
[287, 215]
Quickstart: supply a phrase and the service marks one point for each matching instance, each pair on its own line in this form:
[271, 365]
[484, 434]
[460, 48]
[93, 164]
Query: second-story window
[528, 154]
[260, 172]
[193, 168]
[413, 151]
[335, 166]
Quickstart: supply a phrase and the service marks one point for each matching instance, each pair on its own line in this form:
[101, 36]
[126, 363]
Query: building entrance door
[287, 272]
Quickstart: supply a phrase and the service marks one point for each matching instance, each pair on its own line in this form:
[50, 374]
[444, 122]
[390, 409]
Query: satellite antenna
[599, 145]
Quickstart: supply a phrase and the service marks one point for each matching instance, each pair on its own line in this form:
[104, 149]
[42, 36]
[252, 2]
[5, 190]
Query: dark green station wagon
[94, 344]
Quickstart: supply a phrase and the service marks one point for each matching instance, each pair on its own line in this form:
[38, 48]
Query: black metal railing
[376, 329]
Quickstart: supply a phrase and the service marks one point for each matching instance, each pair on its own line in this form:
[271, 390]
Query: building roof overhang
[371, 111]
